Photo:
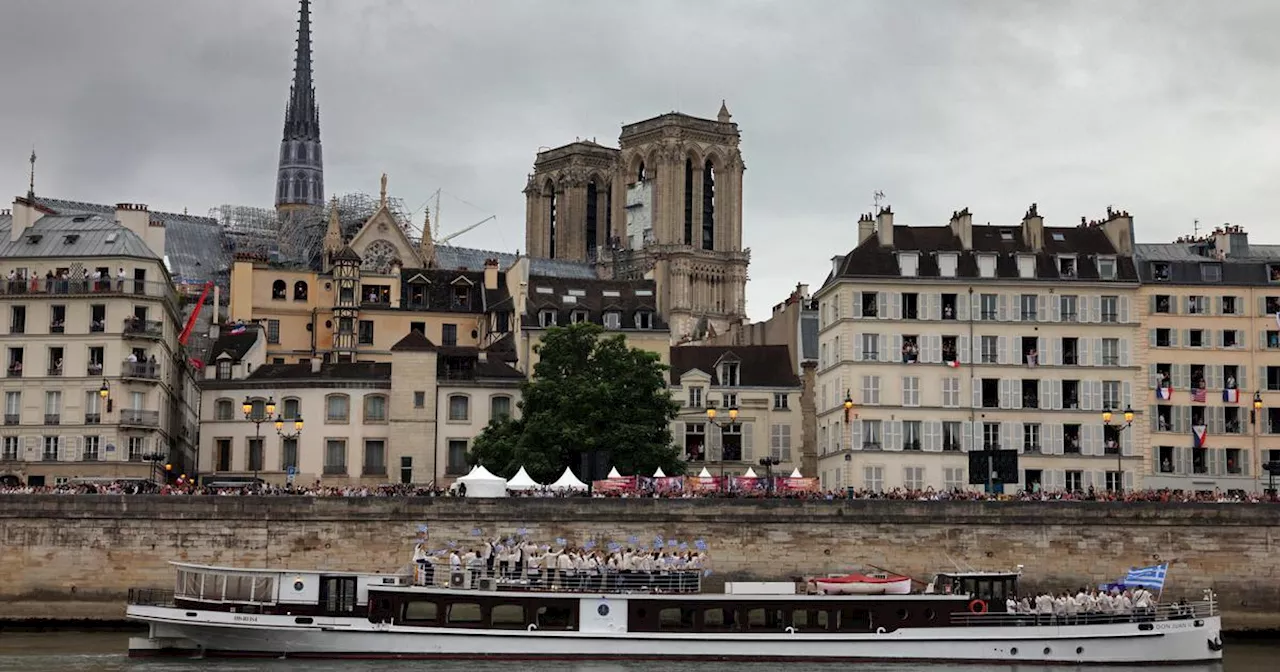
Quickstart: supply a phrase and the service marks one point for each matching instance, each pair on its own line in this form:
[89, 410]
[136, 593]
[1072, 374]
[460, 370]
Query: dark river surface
[105, 652]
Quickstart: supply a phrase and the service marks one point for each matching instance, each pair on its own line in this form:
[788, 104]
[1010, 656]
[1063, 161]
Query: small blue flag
[560, 541]
[422, 529]
[475, 532]
[700, 545]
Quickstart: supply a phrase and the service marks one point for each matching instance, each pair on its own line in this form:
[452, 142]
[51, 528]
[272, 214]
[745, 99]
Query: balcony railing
[48, 457]
[95, 368]
[92, 418]
[11, 418]
[951, 446]
[89, 456]
[139, 417]
[57, 327]
[148, 370]
[9, 456]
[69, 287]
[52, 418]
[871, 445]
[143, 328]
[1068, 316]
[55, 370]
[335, 470]
[15, 371]
[374, 470]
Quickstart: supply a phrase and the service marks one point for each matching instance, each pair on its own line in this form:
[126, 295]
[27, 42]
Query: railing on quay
[558, 580]
[1163, 612]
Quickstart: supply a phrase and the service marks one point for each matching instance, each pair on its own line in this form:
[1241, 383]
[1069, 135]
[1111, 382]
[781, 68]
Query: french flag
[237, 330]
[954, 363]
[1231, 396]
[1164, 393]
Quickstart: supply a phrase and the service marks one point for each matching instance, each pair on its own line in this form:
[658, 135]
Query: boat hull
[178, 631]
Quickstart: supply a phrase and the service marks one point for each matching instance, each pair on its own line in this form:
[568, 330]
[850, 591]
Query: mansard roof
[566, 296]
[758, 365]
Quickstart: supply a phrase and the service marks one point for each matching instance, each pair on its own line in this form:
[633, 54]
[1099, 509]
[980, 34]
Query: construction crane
[191, 323]
[455, 234]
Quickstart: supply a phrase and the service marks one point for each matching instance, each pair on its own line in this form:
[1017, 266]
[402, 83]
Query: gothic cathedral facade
[666, 204]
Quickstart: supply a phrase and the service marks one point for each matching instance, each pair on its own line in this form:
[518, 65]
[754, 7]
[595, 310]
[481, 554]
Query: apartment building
[96, 384]
[937, 341]
[1212, 352]
[760, 384]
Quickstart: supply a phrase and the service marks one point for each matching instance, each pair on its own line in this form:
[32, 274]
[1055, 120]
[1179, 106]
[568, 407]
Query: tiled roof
[450, 257]
[335, 371]
[759, 365]
[415, 341]
[72, 236]
[596, 296]
[235, 346]
[442, 287]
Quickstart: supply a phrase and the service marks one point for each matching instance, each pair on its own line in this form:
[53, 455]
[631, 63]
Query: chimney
[490, 274]
[315, 364]
[25, 214]
[884, 226]
[135, 217]
[1033, 228]
[866, 227]
[1119, 229]
[962, 227]
[1232, 240]
[802, 289]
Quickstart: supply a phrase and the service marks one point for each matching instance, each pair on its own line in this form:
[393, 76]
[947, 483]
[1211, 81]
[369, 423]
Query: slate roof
[597, 297]
[195, 246]
[88, 235]
[415, 341]
[870, 259]
[1181, 263]
[463, 363]
[234, 345]
[335, 371]
[759, 365]
[441, 286]
[450, 257]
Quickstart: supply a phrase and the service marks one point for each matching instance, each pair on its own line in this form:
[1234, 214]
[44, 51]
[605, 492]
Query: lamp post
[155, 459]
[733, 420]
[848, 457]
[769, 463]
[257, 421]
[289, 436]
[1255, 416]
[105, 393]
[1128, 422]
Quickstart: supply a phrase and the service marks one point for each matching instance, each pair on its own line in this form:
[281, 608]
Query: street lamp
[848, 457]
[1255, 416]
[155, 459]
[1128, 422]
[733, 420]
[257, 421]
[769, 463]
[105, 393]
[288, 436]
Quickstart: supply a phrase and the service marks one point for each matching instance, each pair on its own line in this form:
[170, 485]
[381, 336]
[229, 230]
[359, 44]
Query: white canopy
[795, 473]
[568, 481]
[521, 482]
[704, 473]
[613, 473]
[659, 473]
[482, 483]
[751, 473]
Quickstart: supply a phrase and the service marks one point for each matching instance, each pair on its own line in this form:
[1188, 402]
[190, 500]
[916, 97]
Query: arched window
[459, 408]
[375, 408]
[278, 289]
[499, 407]
[640, 173]
[551, 220]
[708, 206]
[688, 201]
[297, 149]
[300, 291]
[297, 186]
[282, 190]
[337, 408]
[224, 410]
[593, 204]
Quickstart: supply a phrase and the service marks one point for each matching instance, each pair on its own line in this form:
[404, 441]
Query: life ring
[978, 607]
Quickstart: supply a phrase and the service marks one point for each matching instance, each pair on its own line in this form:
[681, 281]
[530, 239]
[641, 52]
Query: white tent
[521, 482]
[751, 473]
[482, 483]
[568, 481]
[613, 473]
[659, 473]
[795, 473]
[704, 473]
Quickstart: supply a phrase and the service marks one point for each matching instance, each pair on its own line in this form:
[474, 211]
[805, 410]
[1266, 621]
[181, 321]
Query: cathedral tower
[569, 202]
[300, 177]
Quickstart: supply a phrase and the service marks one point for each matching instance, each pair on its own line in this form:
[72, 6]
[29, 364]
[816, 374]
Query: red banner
[786, 484]
[623, 484]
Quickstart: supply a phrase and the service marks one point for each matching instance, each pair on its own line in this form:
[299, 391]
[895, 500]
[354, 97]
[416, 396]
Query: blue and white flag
[1148, 577]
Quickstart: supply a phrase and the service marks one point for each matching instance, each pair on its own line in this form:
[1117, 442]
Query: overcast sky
[1167, 109]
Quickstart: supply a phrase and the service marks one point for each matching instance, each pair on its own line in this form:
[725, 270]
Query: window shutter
[1046, 393]
[1002, 307]
[896, 348]
[1055, 308]
[1042, 351]
[855, 435]
[966, 436]
[885, 355]
[1004, 393]
[962, 308]
[1151, 338]
[1002, 345]
[1042, 306]
[856, 311]
[1015, 309]
[1173, 338]
[1095, 309]
[677, 436]
[1126, 394]
[1244, 464]
[714, 444]
[895, 309]
[857, 347]
[963, 351]
[933, 435]
[977, 393]
[1124, 309]
[1242, 380]
[748, 439]
[882, 305]
[1124, 352]
[1097, 352]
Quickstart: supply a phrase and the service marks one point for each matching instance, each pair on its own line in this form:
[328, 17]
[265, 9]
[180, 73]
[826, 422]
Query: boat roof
[674, 597]
[276, 570]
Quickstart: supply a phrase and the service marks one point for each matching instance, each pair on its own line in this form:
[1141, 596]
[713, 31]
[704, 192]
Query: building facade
[957, 338]
[96, 381]
[666, 204]
[1212, 348]
[757, 380]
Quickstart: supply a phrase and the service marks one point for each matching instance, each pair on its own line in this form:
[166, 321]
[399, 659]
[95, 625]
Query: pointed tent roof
[414, 342]
[795, 473]
[522, 481]
[479, 473]
[613, 473]
[704, 473]
[751, 473]
[346, 254]
[568, 481]
[659, 473]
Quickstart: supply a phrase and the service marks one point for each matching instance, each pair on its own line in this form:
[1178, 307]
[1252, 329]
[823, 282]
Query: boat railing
[558, 580]
[1162, 612]
[151, 597]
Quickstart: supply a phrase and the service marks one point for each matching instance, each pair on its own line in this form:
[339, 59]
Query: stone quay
[70, 558]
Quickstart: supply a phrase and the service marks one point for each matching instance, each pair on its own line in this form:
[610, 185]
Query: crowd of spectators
[397, 490]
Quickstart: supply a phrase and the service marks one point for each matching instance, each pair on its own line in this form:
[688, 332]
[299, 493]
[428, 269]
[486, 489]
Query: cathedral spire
[300, 178]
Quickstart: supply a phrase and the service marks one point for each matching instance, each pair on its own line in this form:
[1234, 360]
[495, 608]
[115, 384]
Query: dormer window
[909, 264]
[1066, 267]
[987, 265]
[1160, 271]
[947, 262]
[1006, 235]
[613, 320]
[644, 319]
[547, 318]
[1211, 272]
[578, 317]
[462, 296]
[1026, 266]
[1107, 268]
[729, 374]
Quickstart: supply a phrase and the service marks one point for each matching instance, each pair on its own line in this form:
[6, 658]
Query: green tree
[590, 394]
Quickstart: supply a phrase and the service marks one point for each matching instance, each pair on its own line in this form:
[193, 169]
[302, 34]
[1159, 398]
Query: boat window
[239, 588]
[755, 618]
[555, 618]
[507, 616]
[997, 590]
[466, 612]
[970, 586]
[675, 618]
[421, 610]
[214, 584]
[799, 618]
[338, 594]
[853, 620]
[821, 620]
[764, 619]
[717, 618]
[264, 589]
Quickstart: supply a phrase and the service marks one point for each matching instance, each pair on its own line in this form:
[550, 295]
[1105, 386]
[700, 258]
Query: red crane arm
[191, 321]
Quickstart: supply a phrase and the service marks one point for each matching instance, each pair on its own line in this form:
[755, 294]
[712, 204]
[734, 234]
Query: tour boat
[421, 613]
[862, 584]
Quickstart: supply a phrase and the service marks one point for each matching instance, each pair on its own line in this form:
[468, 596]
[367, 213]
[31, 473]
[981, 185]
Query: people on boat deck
[1085, 605]
[572, 568]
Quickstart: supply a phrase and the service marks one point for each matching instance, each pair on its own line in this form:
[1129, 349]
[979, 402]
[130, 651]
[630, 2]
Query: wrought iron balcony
[139, 417]
[145, 370]
[136, 328]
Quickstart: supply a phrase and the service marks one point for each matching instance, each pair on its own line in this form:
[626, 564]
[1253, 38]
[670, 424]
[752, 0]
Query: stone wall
[75, 557]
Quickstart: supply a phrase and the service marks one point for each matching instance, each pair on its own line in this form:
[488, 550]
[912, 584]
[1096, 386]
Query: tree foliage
[590, 394]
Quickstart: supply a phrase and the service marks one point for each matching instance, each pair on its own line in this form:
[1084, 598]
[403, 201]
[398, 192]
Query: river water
[105, 652]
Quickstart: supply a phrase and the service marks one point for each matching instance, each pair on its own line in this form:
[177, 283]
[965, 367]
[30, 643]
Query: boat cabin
[993, 588]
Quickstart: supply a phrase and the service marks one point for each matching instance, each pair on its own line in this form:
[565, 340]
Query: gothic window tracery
[379, 257]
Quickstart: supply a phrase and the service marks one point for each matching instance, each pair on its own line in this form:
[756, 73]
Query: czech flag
[1231, 396]
[1199, 436]
[1164, 393]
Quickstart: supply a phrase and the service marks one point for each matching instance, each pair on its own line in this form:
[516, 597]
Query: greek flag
[1148, 577]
